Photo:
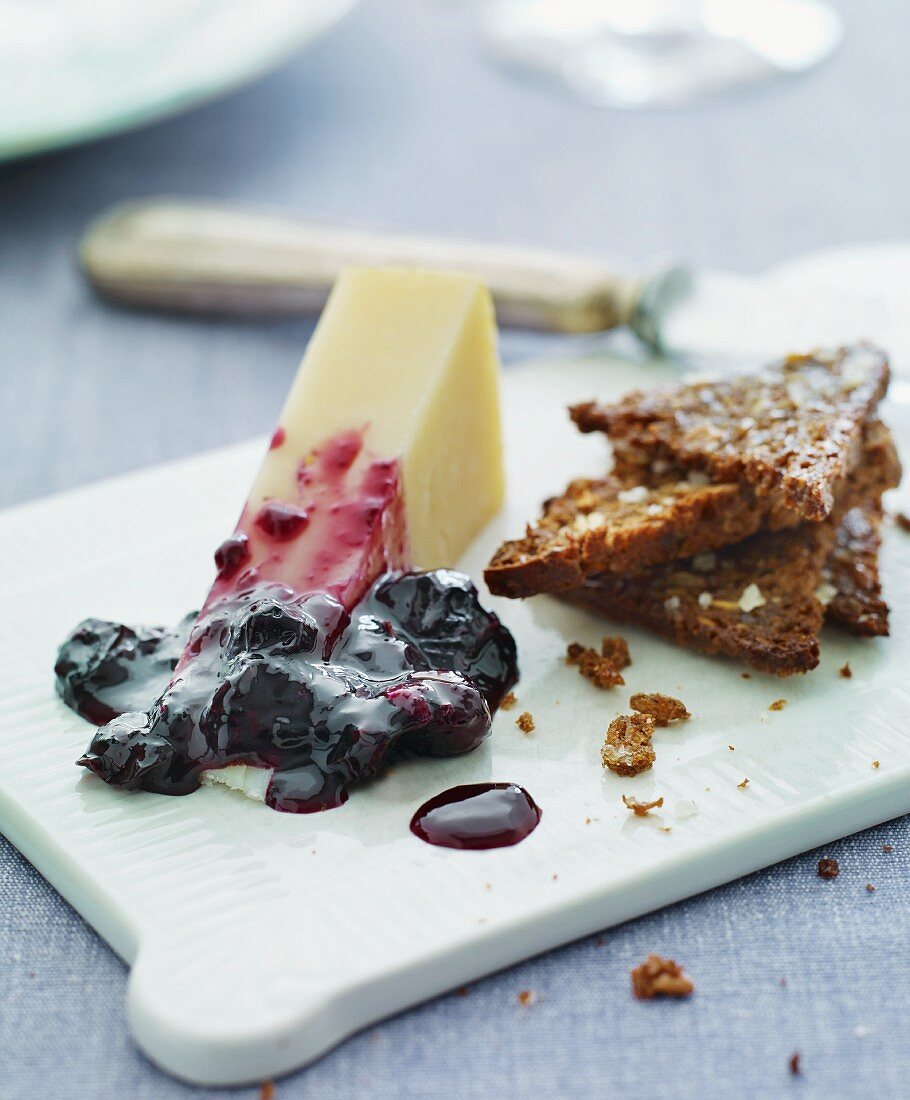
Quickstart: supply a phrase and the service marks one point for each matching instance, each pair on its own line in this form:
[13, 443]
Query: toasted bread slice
[852, 574]
[792, 432]
[621, 524]
[755, 601]
[763, 600]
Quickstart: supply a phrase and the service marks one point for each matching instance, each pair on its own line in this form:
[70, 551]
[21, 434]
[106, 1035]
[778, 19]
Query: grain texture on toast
[791, 431]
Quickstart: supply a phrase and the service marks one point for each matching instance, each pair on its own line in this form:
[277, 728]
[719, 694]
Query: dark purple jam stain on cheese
[477, 815]
[297, 683]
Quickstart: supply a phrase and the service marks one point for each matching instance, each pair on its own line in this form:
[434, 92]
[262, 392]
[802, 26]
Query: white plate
[258, 940]
[75, 70]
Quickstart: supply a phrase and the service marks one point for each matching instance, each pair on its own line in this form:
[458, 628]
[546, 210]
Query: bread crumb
[746, 675]
[745, 783]
[731, 748]
[657, 977]
[267, 1090]
[828, 868]
[876, 763]
[527, 997]
[903, 521]
[794, 1065]
[525, 722]
[641, 809]
[627, 749]
[778, 704]
[616, 650]
[870, 889]
[887, 848]
[845, 670]
[664, 709]
[509, 701]
[600, 670]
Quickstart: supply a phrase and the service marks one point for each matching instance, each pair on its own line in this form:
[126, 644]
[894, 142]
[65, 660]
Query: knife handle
[170, 254]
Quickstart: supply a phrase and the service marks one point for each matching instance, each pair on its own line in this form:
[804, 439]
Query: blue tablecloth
[395, 120]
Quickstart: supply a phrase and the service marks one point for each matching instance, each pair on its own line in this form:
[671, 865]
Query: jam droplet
[477, 815]
[277, 439]
[231, 554]
[281, 521]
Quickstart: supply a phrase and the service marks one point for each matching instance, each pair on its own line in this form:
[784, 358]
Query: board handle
[171, 254]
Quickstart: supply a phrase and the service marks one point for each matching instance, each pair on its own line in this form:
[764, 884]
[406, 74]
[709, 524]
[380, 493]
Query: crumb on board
[525, 722]
[509, 700]
[267, 1090]
[778, 704]
[600, 670]
[794, 1065]
[887, 848]
[845, 670]
[870, 889]
[616, 650]
[746, 675]
[641, 809]
[876, 763]
[828, 868]
[745, 783]
[627, 749]
[657, 977]
[731, 748]
[664, 709]
[902, 520]
[527, 997]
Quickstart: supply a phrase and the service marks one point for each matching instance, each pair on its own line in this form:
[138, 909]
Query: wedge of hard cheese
[405, 362]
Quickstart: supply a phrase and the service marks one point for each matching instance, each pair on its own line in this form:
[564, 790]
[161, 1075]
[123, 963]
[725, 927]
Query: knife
[172, 254]
[194, 256]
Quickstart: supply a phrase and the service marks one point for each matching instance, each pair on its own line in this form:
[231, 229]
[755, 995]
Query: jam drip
[477, 815]
[295, 683]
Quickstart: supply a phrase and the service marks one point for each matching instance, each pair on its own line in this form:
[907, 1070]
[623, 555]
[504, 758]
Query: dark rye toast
[852, 574]
[791, 431]
[762, 600]
[633, 520]
[755, 602]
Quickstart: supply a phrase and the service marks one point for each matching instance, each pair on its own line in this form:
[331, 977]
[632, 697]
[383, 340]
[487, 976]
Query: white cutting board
[258, 940]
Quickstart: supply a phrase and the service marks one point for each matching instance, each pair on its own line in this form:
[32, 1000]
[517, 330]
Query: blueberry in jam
[105, 669]
[297, 684]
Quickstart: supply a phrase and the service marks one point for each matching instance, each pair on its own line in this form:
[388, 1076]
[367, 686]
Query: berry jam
[106, 669]
[477, 815]
[296, 683]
